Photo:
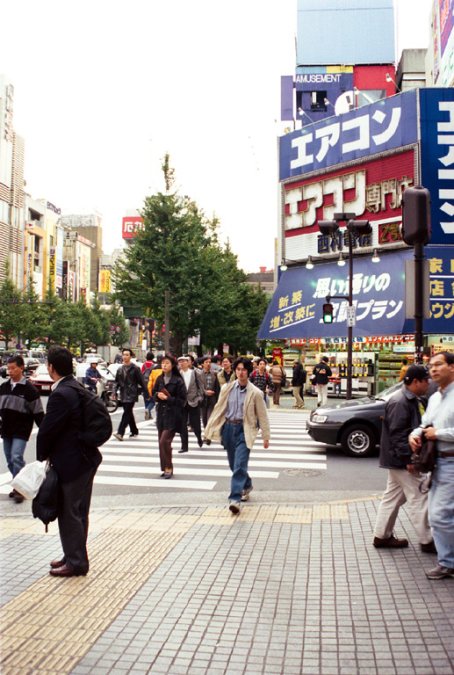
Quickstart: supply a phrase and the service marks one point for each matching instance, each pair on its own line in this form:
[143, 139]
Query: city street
[293, 462]
[177, 585]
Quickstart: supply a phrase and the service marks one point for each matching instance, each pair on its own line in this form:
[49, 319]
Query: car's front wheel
[358, 441]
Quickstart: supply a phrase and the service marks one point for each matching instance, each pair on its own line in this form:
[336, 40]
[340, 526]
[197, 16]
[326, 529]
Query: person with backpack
[129, 380]
[146, 369]
[261, 379]
[75, 460]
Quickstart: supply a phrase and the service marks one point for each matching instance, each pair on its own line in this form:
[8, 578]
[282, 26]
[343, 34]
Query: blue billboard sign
[437, 159]
[384, 125]
[295, 310]
[441, 271]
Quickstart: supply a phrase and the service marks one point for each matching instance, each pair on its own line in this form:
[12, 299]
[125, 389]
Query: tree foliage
[178, 251]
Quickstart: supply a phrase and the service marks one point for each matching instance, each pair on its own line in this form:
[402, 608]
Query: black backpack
[45, 504]
[96, 422]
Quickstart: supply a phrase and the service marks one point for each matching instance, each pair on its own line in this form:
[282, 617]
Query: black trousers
[127, 419]
[193, 415]
[73, 510]
[207, 408]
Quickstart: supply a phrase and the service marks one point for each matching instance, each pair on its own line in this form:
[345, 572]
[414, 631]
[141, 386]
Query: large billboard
[437, 159]
[376, 128]
[296, 309]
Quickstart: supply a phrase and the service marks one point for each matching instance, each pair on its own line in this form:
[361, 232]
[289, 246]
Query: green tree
[119, 332]
[10, 310]
[33, 315]
[178, 255]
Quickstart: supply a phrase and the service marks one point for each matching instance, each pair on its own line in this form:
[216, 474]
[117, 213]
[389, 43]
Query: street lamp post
[355, 228]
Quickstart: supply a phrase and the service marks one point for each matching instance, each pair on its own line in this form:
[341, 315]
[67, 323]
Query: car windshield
[386, 393]
[42, 370]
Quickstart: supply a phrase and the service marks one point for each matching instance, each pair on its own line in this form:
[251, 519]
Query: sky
[104, 88]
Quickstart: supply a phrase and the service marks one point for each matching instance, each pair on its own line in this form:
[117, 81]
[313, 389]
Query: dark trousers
[165, 448]
[207, 408]
[73, 510]
[193, 416]
[128, 419]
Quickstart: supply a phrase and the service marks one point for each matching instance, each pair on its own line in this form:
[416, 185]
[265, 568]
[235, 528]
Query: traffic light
[416, 227]
[327, 312]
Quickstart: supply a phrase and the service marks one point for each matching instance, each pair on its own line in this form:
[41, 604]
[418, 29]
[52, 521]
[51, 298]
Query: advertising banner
[441, 273]
[387, 124]
[295, 310]
[437, 159]
[131, 225]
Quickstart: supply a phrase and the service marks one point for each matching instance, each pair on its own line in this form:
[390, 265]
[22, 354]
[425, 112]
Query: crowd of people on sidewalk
[229, 398]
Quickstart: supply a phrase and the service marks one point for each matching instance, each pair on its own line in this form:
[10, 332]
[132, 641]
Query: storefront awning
[295, 310]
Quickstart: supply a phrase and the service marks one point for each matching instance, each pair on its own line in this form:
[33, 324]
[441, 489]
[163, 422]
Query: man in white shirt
[437, 424]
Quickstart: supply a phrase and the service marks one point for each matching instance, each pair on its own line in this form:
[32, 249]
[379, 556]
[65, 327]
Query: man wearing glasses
[236, 419]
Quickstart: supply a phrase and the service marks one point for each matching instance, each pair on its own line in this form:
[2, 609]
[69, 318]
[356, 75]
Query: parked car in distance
[355, 424]
[41, 379]
[30, 365]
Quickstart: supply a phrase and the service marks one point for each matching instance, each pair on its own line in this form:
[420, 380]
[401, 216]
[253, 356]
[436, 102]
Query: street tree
[10, 310]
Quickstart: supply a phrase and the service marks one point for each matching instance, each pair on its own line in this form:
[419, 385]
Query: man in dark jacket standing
[20, 406]
[75, 464]
[402, 414]
[320, 377]
[130, 381]
[298, 382]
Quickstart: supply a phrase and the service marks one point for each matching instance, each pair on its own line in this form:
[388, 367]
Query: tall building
[89, 226]
[11, 188]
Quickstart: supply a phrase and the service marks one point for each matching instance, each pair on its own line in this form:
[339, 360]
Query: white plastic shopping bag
[29, 479]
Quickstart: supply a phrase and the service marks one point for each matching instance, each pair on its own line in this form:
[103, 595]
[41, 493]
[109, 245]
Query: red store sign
[371, 189]
[131, 225]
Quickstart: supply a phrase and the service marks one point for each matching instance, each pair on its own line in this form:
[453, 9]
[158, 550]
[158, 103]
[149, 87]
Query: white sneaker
[246, 494]
[235, 507]
[119, 437]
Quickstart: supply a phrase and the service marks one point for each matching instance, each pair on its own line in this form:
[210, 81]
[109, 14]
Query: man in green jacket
[235, 421]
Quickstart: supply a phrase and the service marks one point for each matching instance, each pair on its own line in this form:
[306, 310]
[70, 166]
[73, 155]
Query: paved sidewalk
[285, 588]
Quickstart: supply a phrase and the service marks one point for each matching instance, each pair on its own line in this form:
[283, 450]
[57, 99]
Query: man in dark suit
[76, 464]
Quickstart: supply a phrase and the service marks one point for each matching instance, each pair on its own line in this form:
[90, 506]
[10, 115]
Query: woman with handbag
[169, 393]
[279, 379]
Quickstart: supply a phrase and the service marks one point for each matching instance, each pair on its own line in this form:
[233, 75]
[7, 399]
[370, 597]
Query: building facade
[11, 188]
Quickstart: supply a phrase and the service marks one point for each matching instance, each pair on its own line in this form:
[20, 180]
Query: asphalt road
[332, 476]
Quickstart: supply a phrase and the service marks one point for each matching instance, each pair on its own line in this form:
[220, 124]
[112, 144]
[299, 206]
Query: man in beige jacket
[235, 421]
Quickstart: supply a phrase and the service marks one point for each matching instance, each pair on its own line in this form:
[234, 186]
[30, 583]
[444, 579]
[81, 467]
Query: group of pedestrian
[407, 422]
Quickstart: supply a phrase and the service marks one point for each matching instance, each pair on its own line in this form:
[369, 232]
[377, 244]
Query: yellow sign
[104, 281]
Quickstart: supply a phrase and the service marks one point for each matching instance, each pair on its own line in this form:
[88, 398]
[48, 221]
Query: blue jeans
[238, 456]
[441, 510]
[14, 452]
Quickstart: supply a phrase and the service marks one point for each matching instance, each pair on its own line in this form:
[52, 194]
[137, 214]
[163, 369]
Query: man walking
[75, 463]
[211, 388]
[320, 377]
[129, 380]
[20, 406]
[191, 410]
[236, 419]
[402, 414]
[437, 424]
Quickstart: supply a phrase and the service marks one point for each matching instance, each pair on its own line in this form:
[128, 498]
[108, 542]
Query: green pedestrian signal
[327, 313]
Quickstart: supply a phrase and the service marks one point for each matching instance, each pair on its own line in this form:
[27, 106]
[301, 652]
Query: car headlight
[319, 419]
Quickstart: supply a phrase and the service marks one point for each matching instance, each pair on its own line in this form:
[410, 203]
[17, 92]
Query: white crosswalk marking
[135, 462]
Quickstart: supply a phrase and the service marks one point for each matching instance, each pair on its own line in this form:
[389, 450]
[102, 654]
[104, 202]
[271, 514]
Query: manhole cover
[302, 472]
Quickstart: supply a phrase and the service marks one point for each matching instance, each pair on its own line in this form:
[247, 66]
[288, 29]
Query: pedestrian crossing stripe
[137, 459]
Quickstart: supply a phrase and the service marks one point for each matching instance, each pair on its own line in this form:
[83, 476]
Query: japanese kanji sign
[387, 124]
[378, 297]
[437, 159]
